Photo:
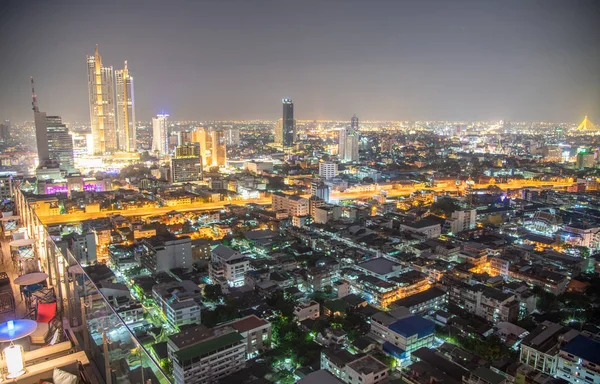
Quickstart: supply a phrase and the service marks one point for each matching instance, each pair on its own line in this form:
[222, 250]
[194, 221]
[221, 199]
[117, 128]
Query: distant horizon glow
[427, 60]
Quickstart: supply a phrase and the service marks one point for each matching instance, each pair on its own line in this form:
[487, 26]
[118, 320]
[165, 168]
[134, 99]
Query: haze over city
[386, 60]
[311, 192]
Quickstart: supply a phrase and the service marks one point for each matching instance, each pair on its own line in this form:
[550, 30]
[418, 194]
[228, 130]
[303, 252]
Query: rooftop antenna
[34, 97]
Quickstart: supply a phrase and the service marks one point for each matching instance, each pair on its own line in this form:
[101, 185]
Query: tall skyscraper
[213, 146]
[5, 130]
[219, 148]
[203, 137]
[60, 143]
[354, 123]
[289, 124]
[160, 134]
[54, 143]
[102, 105]
[125, 110]
[233, 137]
[279, 132]
[348, 142]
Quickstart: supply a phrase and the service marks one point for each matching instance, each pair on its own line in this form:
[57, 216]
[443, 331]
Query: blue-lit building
[407, 335]
[579, 361]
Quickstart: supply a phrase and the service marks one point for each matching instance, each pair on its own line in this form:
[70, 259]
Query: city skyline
[468, 64]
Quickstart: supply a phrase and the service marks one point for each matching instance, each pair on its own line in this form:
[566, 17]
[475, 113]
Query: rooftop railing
[109, 342]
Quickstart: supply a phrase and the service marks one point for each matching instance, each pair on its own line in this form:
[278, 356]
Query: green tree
[213, 292]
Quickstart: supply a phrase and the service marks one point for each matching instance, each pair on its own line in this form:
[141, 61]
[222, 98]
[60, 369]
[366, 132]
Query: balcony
[84, 335]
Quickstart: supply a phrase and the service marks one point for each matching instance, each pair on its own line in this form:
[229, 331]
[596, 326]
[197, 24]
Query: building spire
[34, 97]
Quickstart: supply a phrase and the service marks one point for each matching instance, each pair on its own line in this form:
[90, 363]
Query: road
[404, 191]
[78, 217]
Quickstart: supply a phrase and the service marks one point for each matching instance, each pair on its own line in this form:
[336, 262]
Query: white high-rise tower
[160, 134]
[348, 142]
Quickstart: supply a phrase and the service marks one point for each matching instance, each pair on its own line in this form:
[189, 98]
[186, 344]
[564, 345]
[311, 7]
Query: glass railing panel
[111, 345]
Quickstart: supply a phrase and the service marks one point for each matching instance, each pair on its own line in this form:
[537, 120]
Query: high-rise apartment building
[203, 137]
[328, 170]
[585, 160]
[279, 132]
[125, 110]
[60, 143]
[102, 105]
[320, 190]
[186, 166]
[213, 146]
[463, 220]
[348, 142]
[219, 148]
[160, 134]
[233, 137]
[5, 130]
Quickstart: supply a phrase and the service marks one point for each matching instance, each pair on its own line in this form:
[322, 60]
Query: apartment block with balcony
[163, 253]
[540, 348]
[351, 368]
[179, 301]
[307, 310]
[255, 331]
[579, 361]
[228, 267]
[293, 205]
[201, 355]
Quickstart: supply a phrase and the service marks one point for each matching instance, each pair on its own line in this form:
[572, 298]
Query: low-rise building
[579, 361]
[423, 302]
[428, 227]
[293, 205]
[540, 348]
[407, 335]
[307, 310]
[228, 267]
[255, 331]
[351, 368]
[179, 301]
[483, 375]
[201, 355]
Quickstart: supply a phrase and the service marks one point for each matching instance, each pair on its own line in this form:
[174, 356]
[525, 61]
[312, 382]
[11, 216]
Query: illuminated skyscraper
[102, 105]
[219, 148]
[60, 143]
[289, 124]
[213, 146]
[348, 142]
[233, 137]
[186, 166]
[279, 132]
[203, 137]
[160, 134]
[125, 110]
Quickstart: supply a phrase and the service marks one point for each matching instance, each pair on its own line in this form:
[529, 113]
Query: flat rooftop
[368, 365]
[584, 348]
[418, 298]
[379, 266]
[413, 325]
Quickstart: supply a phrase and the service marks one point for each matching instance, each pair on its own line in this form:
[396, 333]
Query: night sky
[407, 60]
